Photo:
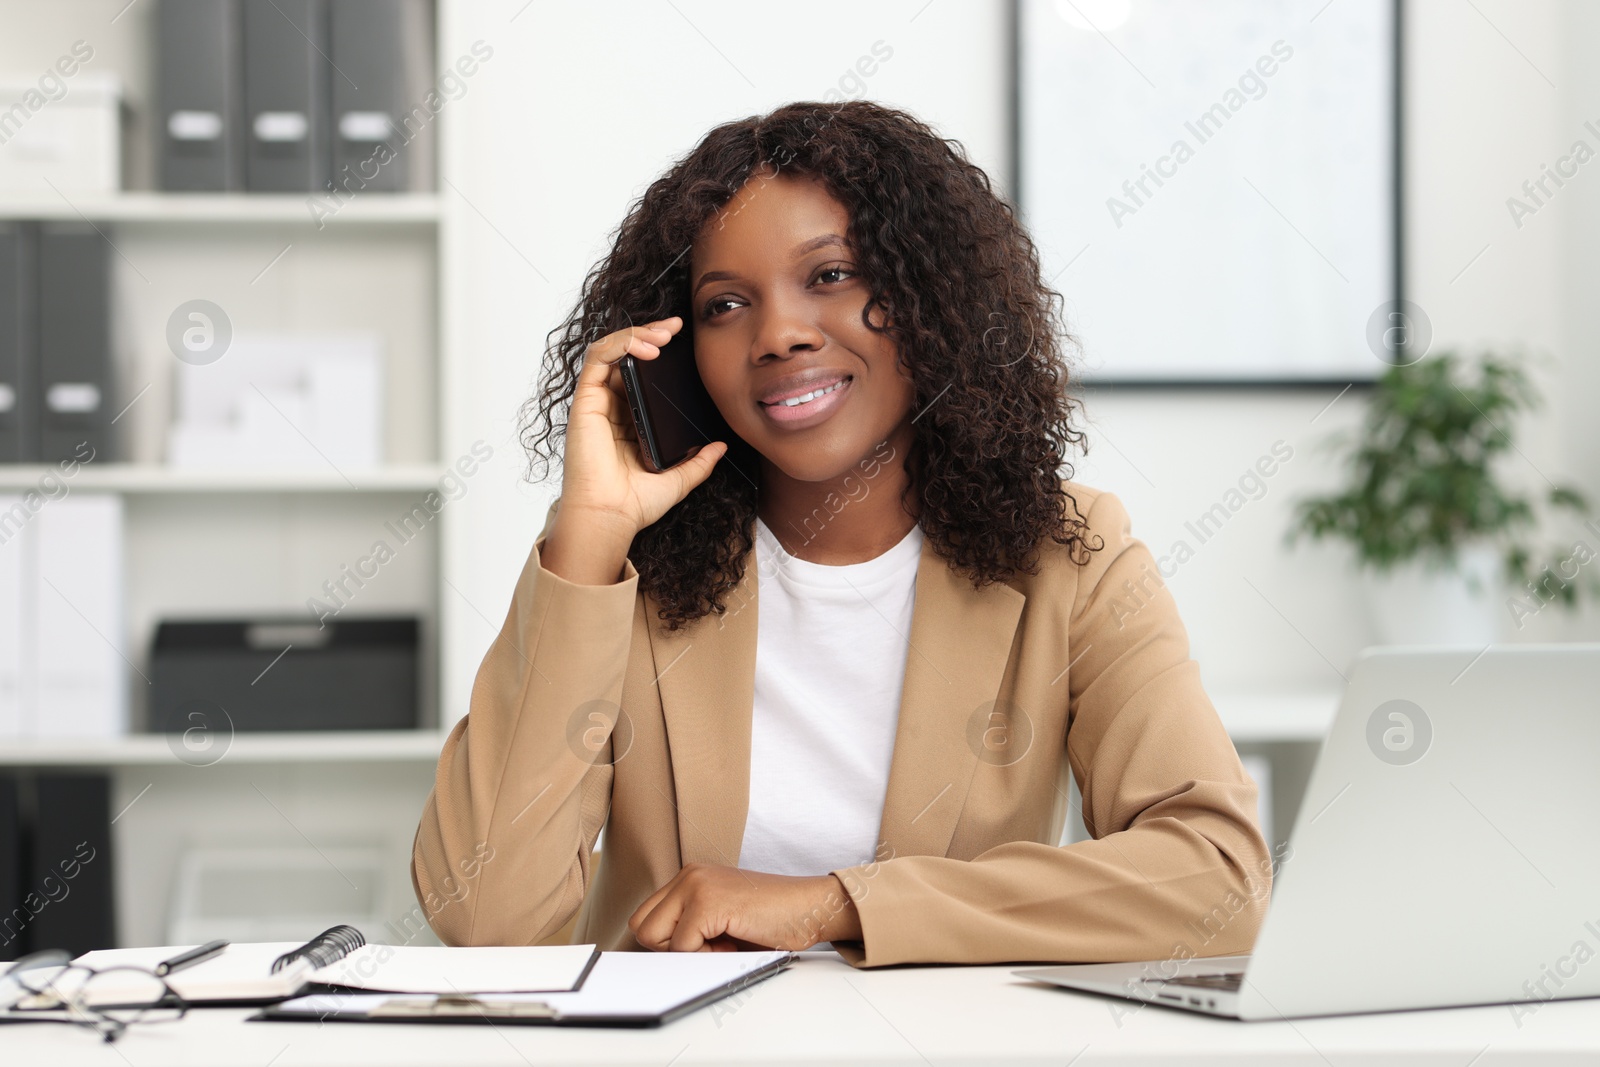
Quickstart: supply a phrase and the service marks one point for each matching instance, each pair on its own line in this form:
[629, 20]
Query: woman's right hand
[605, 484]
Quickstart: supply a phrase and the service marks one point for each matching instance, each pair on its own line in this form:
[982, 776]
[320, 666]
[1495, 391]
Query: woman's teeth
[796, 401]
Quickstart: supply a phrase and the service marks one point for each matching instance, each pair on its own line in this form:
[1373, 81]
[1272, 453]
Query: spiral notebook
[340, 959]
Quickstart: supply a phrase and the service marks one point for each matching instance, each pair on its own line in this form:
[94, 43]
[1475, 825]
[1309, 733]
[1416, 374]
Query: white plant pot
[1414, 605]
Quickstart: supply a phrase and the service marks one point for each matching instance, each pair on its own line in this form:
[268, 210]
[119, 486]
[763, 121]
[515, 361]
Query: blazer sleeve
[1177, 867]
[502, 855]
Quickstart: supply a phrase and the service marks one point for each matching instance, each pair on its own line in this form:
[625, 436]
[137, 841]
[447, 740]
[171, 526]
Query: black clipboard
[512, 1009]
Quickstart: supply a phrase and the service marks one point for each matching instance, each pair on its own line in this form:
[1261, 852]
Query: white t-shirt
[831, 645]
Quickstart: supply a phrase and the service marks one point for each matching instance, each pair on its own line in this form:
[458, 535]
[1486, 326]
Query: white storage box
[61, 131]
[282, 400]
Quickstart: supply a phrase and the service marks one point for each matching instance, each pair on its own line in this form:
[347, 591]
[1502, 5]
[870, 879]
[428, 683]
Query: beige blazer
[1005, 686]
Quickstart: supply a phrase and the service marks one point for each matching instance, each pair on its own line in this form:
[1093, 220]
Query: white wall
[583, 105]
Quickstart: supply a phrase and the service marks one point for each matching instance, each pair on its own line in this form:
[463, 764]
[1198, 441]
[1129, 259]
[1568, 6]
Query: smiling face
[777, 300]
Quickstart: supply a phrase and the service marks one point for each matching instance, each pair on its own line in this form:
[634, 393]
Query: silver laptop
[1445, 853]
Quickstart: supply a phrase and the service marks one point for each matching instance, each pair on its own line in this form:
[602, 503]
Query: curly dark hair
[980, 332]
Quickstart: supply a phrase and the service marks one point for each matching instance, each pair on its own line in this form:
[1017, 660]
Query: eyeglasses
[106, 1000]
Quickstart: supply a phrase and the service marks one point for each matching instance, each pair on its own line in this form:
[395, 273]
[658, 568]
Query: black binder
[14, 915]
[72, 849]
[286, 83]
[377, 46]
[200, 113]
[74, 297]
[19, 363]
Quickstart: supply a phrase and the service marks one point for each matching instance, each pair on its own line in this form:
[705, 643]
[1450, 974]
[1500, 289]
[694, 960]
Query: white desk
[822, 1011]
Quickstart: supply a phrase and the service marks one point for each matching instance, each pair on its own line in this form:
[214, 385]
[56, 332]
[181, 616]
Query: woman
[827, 688]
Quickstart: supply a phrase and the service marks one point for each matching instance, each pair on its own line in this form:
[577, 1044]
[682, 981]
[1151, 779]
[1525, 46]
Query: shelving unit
[229, 543]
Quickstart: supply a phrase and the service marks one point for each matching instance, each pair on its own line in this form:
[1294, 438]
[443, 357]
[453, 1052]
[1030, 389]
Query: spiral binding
[333, 944]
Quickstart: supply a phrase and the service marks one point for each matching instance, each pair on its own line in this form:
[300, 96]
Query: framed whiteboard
[1214, 187]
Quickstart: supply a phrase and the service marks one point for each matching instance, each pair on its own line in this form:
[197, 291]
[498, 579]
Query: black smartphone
[672, 412]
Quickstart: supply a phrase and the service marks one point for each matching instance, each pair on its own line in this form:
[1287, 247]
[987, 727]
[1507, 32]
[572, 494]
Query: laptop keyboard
[1225, 982]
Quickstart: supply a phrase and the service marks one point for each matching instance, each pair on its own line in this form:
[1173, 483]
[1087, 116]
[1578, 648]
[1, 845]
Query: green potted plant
[1435, 528]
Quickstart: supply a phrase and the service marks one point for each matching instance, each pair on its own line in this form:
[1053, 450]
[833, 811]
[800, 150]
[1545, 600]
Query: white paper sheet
[431, 969]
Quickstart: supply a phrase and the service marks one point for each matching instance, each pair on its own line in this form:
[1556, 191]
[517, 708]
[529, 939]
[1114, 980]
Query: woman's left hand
[709, 908]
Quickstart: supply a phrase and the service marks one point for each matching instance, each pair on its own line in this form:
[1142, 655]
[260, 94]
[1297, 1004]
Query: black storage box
[278, 674]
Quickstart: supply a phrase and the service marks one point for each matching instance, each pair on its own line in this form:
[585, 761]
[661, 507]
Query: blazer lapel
[960, 643]
[706, 673]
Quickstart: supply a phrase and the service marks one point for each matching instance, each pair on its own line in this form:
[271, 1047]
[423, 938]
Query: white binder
[14, 517]
[67, 562]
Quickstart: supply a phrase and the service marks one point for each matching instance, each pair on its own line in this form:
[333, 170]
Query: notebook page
[238, 972]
